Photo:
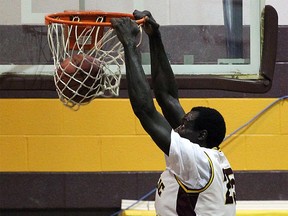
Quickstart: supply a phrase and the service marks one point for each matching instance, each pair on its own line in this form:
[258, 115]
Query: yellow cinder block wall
[44, 135]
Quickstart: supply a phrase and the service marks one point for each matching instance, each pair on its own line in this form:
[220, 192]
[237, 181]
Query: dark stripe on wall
[43, 87]
[107, 189]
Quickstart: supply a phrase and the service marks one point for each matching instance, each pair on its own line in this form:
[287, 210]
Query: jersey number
[160, 187]
[230, 184]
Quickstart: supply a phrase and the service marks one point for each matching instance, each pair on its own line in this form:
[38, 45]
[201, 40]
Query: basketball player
[198, 179]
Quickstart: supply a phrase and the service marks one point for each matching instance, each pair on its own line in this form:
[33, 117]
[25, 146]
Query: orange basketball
[77, 77]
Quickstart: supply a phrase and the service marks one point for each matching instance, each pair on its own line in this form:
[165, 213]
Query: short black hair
[211, 120]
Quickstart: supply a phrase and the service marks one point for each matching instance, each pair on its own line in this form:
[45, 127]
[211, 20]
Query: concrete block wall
[44, 135]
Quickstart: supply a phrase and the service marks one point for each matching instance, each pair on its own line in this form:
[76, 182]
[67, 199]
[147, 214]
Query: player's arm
[138, 88]
[164, 84]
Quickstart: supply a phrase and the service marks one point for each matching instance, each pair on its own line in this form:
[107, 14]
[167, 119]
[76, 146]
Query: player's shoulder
[216, 153]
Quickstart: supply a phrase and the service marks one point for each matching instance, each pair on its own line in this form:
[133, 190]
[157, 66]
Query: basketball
[77, 77]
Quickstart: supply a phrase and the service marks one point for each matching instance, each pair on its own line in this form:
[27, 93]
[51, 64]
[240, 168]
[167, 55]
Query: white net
[88, 62]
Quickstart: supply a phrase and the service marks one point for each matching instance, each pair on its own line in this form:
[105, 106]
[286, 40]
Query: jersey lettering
[230, 184]
[160, 187]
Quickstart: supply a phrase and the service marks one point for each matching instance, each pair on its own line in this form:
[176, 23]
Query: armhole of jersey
[188, 190]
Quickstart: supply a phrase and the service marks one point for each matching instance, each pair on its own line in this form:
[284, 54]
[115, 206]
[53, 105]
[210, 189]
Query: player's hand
[150, 25]
[126, 30]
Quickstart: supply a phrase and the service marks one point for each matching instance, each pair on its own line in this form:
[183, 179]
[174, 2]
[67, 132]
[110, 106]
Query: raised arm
[138, 88]
[164, 84]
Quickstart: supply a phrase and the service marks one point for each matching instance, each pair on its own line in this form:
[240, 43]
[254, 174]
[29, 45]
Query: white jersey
[197, 182]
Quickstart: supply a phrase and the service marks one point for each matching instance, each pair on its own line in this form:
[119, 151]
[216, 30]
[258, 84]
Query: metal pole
[233, 21]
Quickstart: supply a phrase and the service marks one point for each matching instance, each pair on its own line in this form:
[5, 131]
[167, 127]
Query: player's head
[213, 122]
[204, 126]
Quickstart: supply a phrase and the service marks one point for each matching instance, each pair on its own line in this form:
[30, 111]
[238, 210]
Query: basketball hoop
[90, 34]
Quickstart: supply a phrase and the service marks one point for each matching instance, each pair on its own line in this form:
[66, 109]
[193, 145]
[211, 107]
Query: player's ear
[203, 135]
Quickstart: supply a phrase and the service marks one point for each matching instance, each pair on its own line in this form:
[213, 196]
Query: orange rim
[64, 18]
